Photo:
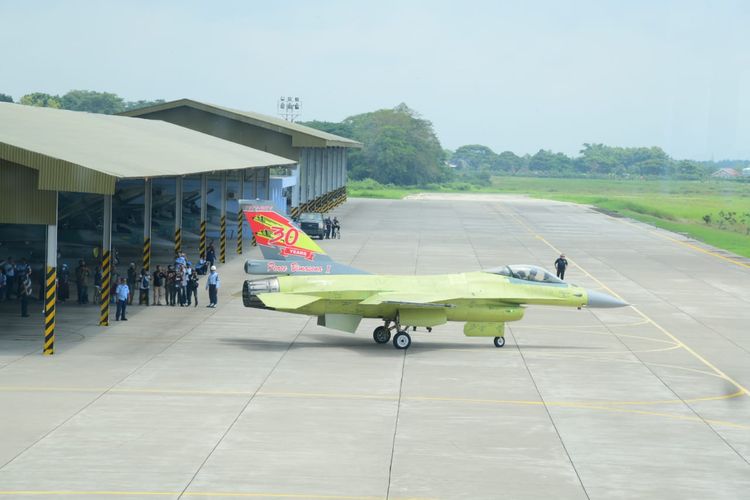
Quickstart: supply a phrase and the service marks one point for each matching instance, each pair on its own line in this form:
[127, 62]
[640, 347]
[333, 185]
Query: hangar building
[320, 172]
[111, 190]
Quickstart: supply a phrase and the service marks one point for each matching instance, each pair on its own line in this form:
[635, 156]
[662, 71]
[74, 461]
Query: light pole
[289, 108]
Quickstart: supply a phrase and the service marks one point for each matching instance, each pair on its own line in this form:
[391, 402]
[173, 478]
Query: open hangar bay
[647, 401]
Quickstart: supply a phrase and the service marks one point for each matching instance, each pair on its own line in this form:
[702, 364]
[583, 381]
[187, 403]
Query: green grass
[674, 205]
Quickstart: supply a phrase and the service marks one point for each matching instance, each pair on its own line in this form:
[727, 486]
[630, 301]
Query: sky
[517, 76]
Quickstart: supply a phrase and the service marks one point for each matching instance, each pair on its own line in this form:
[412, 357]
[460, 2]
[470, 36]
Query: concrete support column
[50, 288]
[267, 173]
[106, 264]
[342, 176]
[178, 215]
[304, 171]
[240, 215]
[223, 220]
[296, 188]
[204, 213]
[147, 209]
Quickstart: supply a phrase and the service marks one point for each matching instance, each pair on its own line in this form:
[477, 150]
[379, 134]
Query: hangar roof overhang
[302, 136]
[87, 152]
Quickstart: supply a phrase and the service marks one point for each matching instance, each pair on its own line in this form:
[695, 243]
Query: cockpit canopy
[526, 272]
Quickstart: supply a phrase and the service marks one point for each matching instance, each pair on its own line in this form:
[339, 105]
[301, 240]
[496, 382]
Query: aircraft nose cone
[599, 299]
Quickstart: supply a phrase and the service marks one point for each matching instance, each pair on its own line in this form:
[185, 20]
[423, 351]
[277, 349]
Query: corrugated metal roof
[59, 143]
[302, 136]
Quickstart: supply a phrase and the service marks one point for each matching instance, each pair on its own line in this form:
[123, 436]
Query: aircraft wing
[280, 300]
[415, 299]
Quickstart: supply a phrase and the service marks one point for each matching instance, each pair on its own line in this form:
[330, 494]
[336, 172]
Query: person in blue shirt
[212, 285]
[121, 293]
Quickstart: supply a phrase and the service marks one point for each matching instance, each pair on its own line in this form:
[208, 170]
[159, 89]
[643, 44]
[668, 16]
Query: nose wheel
[499, 341]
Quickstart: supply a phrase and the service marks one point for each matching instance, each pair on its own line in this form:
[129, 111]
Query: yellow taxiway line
[676, 340]
[217, 494]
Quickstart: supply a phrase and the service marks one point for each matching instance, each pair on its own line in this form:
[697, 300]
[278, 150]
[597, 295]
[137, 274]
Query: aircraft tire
[401, 340]
[499, 341]
[381, 335]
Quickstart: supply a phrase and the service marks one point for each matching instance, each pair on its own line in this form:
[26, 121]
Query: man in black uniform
[560, 264]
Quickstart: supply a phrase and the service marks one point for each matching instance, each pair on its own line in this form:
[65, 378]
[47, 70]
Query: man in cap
[212, 285]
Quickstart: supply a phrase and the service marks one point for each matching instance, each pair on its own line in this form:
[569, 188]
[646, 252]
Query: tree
[549, 163]
[507, 161]
[475, 157]
[400, 147]
[130, 105]
[5, 98]
[93, 102]
[41, 99]
[336, 128]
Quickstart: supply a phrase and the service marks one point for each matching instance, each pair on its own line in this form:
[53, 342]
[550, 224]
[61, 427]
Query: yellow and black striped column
[178, 240]
[202, 241]
[295, 212]
[104, 306]
[223, 239]
[240, 223]
[50, 299]
[147, 254]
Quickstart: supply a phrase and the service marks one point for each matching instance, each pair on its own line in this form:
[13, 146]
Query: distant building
[726, 173]
[746, 172]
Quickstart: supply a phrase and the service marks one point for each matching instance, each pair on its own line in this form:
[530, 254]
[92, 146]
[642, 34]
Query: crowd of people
[176, 284]
[15, 282]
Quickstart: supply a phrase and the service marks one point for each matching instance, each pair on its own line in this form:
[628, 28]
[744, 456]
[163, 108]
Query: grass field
[675, 205]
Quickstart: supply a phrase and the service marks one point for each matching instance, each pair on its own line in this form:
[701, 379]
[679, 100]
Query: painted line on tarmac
[660, 234]
[194, 494]
[689, 349]
[609, 406]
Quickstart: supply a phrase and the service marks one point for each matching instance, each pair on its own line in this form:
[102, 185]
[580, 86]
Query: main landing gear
[401, 339]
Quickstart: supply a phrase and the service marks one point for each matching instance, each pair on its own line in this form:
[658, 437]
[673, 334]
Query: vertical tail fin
[277, 236]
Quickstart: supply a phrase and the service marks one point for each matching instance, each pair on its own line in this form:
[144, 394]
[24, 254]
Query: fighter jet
[308, 282]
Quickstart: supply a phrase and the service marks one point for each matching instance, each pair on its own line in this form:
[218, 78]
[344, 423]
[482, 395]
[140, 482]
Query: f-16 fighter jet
[308, 282]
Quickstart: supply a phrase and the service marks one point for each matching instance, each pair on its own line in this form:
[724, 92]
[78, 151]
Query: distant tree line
[82, 100]
[594, 160]
[401, 148]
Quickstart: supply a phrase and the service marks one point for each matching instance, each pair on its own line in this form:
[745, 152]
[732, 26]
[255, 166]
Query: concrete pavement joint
[242, 410]
[549, 416]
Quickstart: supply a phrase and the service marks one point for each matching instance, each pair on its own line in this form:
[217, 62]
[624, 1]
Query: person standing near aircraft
[159, 278]
[171, 282]
[122, 293]
[144, 284]
[211, 255]
[132, 278]
[560, 265]
[212, 285]
[82, 282]
[25, 292]
[192, 288]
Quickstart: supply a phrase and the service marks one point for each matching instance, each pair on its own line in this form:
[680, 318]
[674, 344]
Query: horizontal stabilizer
[290, 301]
[428, 300]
